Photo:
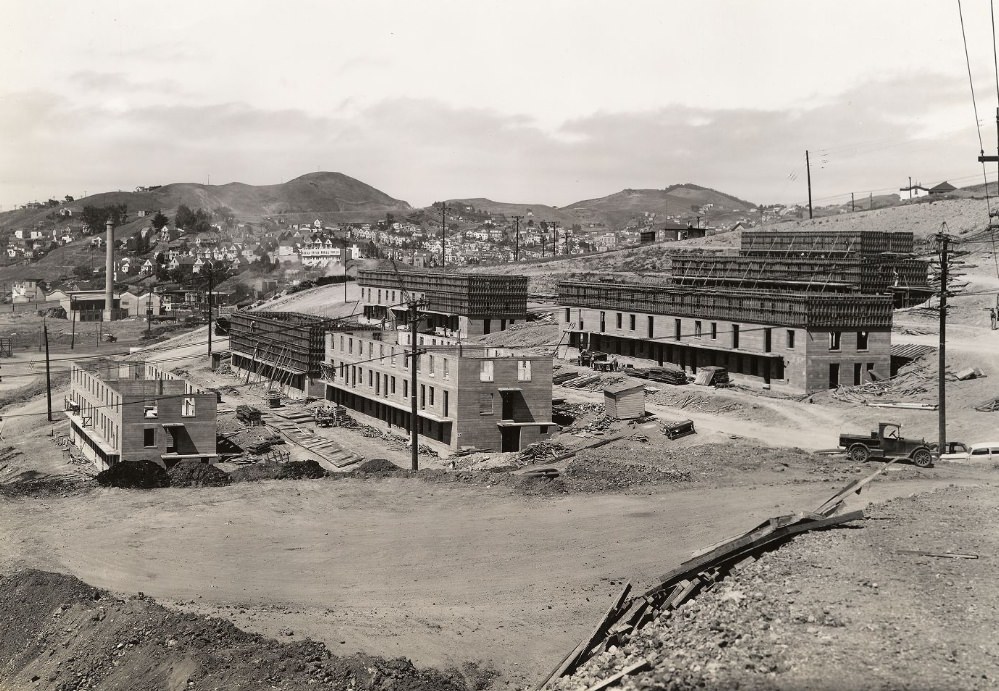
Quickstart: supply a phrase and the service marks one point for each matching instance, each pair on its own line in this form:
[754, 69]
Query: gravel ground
[839, 609]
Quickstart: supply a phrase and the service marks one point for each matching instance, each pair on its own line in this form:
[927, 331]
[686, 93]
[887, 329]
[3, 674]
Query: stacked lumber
[989, 406]
[701, 572]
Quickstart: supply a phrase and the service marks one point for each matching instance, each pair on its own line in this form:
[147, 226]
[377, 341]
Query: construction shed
[625, 400]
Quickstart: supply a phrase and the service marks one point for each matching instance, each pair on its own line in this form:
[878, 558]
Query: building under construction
[284, 348]
[796, 342]
[860, 262]
[458, 304]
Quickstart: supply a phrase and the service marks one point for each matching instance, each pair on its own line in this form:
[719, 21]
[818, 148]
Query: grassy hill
[330, 196]
[537, 212]
[616, 210]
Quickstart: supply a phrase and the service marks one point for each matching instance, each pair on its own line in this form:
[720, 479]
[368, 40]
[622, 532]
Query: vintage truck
[887, 442]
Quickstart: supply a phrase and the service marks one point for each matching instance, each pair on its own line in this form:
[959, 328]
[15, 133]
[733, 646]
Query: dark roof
[943, 187]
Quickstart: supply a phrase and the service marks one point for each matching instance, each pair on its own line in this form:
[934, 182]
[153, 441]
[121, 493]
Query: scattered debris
[969, 373]
[675, 430]
[194, 473]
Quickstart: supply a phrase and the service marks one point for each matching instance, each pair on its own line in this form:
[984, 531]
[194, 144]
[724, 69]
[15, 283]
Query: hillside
[616, 210]
[537, 212]
[331, 196]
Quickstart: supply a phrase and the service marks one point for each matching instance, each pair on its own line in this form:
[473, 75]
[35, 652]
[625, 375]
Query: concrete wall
[805, 355]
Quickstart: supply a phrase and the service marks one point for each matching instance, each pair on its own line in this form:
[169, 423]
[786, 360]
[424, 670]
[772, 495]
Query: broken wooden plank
[942, 555]
[608, 620]
[742, 546]
[610, 681]
[830, 505]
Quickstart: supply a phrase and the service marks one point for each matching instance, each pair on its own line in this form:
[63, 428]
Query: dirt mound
[593, 475]
[194, 473]
[134, 475]
[301, 470]
[60, 633]
[378, 465]
[265, 470]
[32, 484]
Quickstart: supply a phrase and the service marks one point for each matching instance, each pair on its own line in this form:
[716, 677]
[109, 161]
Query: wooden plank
[608, 620]
[831, 504]
[943, 555]
[610, 681]
[748, 543]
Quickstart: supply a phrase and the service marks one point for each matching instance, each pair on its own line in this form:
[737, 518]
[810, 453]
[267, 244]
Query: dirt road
[441, 574]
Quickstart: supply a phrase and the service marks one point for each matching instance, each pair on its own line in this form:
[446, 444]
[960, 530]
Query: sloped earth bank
[840, 609]
[59, 633]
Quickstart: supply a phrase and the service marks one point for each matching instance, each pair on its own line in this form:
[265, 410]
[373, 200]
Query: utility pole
[554, 227]
[72, 309]
[943, 239]
[345, 269]
[852, 207]
[211, 277]
[443, 230]
[516, 251]
[910, 188]
[808, 168]
[414, 435]
[48, 373]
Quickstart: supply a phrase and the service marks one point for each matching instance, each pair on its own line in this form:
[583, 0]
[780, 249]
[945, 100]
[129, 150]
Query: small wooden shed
[625, 400]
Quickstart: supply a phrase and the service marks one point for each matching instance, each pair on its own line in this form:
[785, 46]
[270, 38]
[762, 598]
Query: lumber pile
[701, 572]
[989, 406]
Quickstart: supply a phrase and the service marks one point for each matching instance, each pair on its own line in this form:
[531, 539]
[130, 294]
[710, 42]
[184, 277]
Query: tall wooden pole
[808, 168]
[109, 273]
[942, 347]
[443, 230]
[48, 372]
[414, 435]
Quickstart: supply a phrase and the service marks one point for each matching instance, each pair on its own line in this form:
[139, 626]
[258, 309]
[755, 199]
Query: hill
[682, 201]
[330, 196]
[537, 212]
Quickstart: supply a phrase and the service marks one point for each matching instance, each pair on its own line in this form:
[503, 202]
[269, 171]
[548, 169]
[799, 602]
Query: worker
[992, 316]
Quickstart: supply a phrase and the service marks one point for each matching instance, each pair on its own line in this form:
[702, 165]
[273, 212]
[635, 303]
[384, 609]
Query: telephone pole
[852, 207]
[414, 435]
[516, 251]
[943, 241]
[808, 168]
[48, 372]
[443, 230]
[554, 227]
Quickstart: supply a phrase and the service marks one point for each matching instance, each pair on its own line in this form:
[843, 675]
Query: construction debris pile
[540, 452]
[590, 474]
[391, 440]
[705, 570]
[134, 475]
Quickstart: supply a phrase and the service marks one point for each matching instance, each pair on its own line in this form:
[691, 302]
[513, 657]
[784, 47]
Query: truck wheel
[859, 453]
[922, 458]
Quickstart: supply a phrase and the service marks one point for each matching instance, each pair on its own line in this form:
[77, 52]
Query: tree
[83, 272]
[159, 220]
[69, 198]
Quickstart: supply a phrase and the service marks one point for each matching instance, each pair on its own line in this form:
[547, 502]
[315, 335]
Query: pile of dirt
[595, 475]
[301, 470]
[267, 470]
[377, 465]
[194, 473]
[877, 605]
[62, 634]
[33, 484]
[134, 475]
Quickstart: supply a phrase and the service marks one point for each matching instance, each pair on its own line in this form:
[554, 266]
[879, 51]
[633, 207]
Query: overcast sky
[530, 101]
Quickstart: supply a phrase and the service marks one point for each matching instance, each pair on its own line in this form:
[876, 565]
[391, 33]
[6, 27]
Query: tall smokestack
[109, 274]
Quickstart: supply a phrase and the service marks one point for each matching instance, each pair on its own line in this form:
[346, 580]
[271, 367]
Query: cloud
[870, 137]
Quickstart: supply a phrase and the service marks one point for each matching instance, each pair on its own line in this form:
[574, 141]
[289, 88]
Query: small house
[625, 400]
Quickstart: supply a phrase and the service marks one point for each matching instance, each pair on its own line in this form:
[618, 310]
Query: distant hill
[537, 212]
[330, 196]
[616, 210]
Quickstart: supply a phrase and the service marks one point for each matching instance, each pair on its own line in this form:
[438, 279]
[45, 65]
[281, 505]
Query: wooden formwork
[466, 294]
[778, 309]
[289, 340]
[827, 243]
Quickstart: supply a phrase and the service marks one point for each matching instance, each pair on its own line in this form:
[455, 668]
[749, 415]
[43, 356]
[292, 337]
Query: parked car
[983, 452]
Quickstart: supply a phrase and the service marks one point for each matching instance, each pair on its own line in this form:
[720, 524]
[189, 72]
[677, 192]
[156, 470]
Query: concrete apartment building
[130, 411]
[486, 398]
[793, 342]
[459, 304]
[286, 348]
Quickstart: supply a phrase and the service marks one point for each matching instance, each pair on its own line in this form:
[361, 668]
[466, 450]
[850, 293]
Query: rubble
[194, 473]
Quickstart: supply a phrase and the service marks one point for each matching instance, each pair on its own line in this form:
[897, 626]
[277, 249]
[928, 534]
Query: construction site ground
[471, 561]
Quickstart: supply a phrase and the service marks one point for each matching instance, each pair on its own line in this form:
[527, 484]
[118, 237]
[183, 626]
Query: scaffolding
[478, 296]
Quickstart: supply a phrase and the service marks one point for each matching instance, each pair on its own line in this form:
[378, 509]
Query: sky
[532, 101]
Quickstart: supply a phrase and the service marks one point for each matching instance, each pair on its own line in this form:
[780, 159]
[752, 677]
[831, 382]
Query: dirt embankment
[876, 606]
[61, 634]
